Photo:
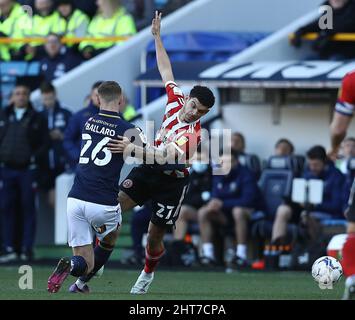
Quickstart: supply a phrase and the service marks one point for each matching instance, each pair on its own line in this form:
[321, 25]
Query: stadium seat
[198, 46]
[334, 226]
[252, 162]
[275, 185]
[293, 163]
[298, 164]
[203, 46]
[15, 71]
[351, 166]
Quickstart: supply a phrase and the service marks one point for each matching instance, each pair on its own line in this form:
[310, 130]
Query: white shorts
[85, 219]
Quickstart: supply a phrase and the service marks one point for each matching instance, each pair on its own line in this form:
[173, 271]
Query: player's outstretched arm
[163, 60]
[168, 154]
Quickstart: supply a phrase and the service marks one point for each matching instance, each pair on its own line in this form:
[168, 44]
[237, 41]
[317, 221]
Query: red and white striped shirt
[346, 99]
[185, 136]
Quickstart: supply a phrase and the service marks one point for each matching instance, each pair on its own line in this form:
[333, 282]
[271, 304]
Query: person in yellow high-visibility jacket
[38, 25]
[111, 20]
[10, 12]
[73, 22]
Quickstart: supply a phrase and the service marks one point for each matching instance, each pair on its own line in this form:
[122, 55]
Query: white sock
[80, 284]
[207, 250]
[241, 251]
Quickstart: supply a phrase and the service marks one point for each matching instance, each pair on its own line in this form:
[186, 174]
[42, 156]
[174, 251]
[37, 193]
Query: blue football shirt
[98, 172]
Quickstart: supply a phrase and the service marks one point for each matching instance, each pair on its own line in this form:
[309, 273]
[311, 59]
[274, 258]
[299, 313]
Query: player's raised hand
[118, 145]
[156, 24]
[333, 154]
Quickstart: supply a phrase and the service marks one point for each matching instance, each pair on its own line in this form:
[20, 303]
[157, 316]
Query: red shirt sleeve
[174, 92]
[347, 91]
[346, 97]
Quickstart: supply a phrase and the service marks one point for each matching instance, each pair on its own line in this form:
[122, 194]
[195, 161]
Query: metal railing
[65, 40]
[336, 37]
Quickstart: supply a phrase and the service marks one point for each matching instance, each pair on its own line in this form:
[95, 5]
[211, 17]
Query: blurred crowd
[70, 19]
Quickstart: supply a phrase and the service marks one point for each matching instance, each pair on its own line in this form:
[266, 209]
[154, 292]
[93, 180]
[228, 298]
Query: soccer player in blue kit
[92, 207]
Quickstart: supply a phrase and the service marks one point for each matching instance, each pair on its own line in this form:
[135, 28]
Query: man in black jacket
[57, 119]
[343, 21]
[23, 145]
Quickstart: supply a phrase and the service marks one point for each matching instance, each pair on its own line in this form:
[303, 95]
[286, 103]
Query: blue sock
[78, 266]
[101, 257]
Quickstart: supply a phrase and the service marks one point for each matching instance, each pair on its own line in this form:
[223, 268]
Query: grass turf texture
[116, 284]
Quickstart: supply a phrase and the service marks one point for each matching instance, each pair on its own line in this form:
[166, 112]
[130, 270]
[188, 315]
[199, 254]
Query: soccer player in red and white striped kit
[176, 142]
[343, 114]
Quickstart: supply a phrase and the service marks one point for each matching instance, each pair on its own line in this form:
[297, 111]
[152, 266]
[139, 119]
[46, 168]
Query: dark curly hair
[204, 95]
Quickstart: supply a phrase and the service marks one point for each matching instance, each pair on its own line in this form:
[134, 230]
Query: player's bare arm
[338, 130]
[163, 60]
[124, 145]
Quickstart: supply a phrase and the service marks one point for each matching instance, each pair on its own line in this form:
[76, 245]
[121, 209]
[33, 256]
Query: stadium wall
[304, 126]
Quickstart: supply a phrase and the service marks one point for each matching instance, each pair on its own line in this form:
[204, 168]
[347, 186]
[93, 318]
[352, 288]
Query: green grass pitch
[169, 285]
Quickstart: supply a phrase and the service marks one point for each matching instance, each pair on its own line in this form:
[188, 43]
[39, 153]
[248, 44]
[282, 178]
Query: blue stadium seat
[252, 162]
[199, 46]
[294, 163]
[275, 185]
[298, 164]
[13, 71]
[351, 166]
[203, 46]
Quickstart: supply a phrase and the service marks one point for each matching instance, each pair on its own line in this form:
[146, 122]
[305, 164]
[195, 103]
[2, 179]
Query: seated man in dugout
[235, 197]
[318, 167]
[197, 196]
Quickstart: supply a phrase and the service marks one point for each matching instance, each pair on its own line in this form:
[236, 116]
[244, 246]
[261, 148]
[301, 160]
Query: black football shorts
[167, 193]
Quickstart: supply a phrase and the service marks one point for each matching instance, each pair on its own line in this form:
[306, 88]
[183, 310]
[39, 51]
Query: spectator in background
[41, 24]
[284, 148]
[87, 6]
[197, 196]
[23, 146]
[57, 120]
[127, 110]
[111, 20]
[26, 2]
[10, 12]
[72, 22]
[238, 143]
[347, 151]
[343, 21]
[234, 198]
[141, 10]
[331, 207]
[58, 59]
[72, 134]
